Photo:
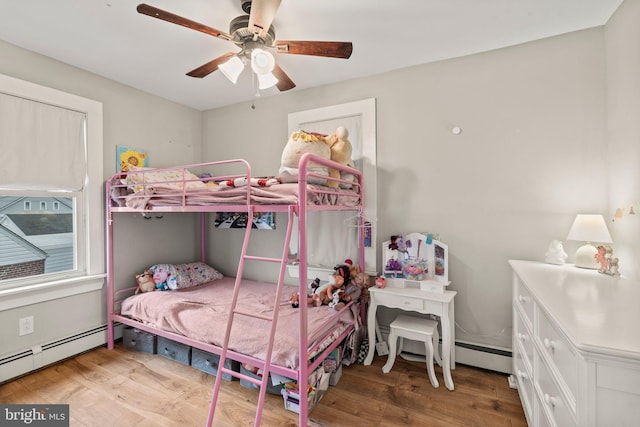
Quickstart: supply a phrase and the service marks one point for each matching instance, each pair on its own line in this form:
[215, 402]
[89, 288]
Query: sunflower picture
[126, 156]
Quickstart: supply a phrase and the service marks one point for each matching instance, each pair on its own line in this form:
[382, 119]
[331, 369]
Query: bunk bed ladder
[261, 383]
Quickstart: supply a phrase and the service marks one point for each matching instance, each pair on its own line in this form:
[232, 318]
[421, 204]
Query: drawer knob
[522, 336]
[550, 400]
[522, 374]
[551, 345]
[522, 299]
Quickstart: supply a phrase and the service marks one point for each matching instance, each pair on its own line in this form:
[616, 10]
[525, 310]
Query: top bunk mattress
[276, 194]
[201, 313]
[152, 189]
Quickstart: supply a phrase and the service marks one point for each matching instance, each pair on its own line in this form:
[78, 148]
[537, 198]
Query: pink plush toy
[160, 277]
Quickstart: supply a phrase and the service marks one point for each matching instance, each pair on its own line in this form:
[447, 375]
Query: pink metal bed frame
[301, 209]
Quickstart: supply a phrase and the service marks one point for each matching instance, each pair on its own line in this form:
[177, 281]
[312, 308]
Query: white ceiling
[109, 38]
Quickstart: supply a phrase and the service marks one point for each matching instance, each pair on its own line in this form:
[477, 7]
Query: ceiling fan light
[232, 68]
[262, 61]
[266, 80]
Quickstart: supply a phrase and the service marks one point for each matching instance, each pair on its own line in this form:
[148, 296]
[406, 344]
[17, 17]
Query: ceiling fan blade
[209, 67]
[261, 16]
[315, 48]
[284, 82]
[163, 15]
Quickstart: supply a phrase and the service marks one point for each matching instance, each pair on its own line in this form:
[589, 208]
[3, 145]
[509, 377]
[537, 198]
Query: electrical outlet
[26, 325]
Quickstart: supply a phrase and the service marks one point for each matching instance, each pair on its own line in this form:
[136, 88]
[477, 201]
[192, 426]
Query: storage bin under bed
[209, 362]
[135, 339]
[173, 350]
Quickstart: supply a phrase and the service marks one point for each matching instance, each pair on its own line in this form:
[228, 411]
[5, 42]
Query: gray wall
[623, 126]
[535, 119]
[529, 158]
[170, 132]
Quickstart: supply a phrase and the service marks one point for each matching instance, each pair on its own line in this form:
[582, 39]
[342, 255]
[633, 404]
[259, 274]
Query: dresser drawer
[522, 372]
[523, 336]
[556, 347]
[523, 299]
[618, 395]
[552, 400]
[541, 416]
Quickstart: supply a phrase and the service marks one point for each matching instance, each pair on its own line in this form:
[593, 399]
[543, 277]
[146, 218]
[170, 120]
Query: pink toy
[160, 279]
[381, 282]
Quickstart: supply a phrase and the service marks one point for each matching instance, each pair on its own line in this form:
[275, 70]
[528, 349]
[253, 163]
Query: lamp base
[586, 257]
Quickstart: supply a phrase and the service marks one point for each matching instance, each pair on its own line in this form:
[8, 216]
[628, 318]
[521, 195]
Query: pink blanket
[201, 312]
[278, 194]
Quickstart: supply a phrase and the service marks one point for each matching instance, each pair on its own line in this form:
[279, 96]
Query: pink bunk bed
[292, 342]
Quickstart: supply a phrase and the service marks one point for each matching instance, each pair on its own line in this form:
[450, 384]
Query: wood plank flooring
[126, 388]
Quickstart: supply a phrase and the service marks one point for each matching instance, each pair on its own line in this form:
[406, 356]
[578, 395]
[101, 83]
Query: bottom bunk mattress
[201, 313]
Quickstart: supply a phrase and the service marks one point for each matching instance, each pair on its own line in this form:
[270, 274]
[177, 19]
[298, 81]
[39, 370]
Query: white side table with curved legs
[419, 301]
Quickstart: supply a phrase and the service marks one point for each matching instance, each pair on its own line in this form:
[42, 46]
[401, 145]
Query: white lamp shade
[262, 62]
[266, 80]
[232, 68]
[588, 228]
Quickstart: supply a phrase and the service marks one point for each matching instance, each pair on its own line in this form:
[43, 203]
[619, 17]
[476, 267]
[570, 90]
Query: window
[36, 243]
[61, 253]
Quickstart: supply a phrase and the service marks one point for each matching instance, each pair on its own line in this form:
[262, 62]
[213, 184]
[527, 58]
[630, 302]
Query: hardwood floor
[125, 388]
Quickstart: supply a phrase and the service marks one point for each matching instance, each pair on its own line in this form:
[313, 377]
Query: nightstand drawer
[524, 301]
[400, 301]
[552, 400]
[560, 352]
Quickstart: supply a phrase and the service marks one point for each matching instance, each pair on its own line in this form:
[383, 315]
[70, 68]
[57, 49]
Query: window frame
[89, 212]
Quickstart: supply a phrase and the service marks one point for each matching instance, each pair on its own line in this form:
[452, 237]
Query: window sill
[41, 292]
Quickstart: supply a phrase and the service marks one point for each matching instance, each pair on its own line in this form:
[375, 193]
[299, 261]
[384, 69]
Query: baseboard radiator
[39, 356]
[478, 355]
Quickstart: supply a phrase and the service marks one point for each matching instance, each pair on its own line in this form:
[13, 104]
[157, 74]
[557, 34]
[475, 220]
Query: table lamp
[588, 228]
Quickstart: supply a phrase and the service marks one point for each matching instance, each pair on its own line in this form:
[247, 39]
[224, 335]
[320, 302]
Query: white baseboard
[37, 357]
[478, 355]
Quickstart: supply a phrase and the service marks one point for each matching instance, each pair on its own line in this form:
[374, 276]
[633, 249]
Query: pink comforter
[278, 194]
[201, 312]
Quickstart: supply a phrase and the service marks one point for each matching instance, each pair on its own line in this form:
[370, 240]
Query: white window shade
[41, 146]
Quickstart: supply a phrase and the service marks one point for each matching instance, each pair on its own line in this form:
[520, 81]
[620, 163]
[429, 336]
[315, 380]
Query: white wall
[529, 158]
[623, 120]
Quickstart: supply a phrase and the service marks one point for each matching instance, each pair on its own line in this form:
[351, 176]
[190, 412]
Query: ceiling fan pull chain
[254, 91]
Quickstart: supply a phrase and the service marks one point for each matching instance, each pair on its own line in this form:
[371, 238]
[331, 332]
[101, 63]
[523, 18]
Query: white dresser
[576, 346]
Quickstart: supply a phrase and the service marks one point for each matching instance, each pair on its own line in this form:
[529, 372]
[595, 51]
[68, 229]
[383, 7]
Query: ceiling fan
[255, 36]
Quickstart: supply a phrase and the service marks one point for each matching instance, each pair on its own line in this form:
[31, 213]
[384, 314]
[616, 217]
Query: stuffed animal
[145, 282]
[356, 290]
[341, 151]
[300, 143]
[160, 278]
[337, 280]
[335, 299]
[313, 300]
[353, 269]
[362, 283]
